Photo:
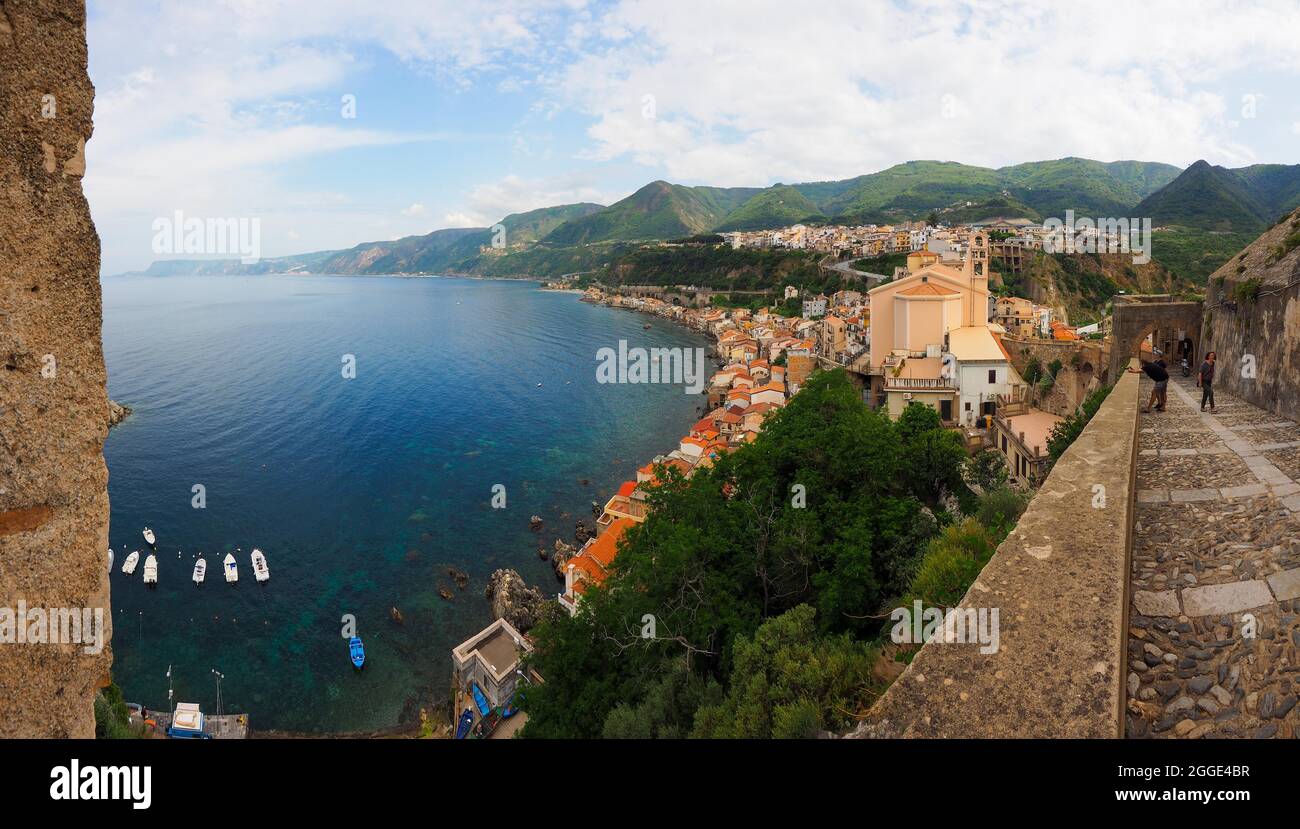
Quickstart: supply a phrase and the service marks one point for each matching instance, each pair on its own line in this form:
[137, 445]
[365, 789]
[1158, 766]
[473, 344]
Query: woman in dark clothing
[1205, 379]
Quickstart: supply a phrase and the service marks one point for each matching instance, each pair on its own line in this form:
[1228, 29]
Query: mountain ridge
[1201, 199]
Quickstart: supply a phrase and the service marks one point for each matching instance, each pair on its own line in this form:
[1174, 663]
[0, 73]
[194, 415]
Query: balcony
[919, 384]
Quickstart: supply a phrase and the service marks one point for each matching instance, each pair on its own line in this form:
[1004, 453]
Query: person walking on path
[1160, 376]
[1205, 379]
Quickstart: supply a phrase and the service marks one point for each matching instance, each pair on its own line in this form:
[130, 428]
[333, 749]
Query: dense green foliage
[112, 719]
[778, 206]
[718, 266]
[830, 508]
[788, 682]
[881, 264]
[986, 469]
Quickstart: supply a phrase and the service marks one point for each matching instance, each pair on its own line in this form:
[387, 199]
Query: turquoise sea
[362, 492]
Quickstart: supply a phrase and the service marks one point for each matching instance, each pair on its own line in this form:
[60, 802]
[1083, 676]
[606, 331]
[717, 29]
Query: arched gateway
[1167, 319]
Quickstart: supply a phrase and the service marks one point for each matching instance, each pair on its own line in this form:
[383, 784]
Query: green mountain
[910, 190]
[1208, 213]
[1089, 188]
[1209, 198]
[1275, 186]
[657, 211]
[523, 228]
[777, 206]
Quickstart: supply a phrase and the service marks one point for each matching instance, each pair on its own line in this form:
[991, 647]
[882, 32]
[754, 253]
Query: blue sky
[467, 111]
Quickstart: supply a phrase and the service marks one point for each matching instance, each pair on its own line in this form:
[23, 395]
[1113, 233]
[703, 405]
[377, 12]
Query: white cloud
[489, 203]
[204, 106]
[416, 209]
[749, 92]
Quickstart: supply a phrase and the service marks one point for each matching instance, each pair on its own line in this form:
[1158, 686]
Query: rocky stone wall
[1059, 584]
[53, 406]
[1252, 319]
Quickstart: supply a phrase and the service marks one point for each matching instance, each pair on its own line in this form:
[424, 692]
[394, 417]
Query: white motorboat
[232, 570]
[260, 571]
[151, 570]
[128, 566]
[110, 559]
[149, 536]
[200, 570]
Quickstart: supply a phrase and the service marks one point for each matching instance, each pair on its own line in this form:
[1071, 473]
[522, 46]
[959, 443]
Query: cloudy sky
[339, 122]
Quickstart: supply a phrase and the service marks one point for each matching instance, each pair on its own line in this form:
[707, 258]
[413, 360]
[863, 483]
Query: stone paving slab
[1218, 599]
[1285, 585]
[1162, 603]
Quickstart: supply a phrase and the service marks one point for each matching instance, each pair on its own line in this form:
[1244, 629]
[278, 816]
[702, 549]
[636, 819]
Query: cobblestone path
[1216, 546]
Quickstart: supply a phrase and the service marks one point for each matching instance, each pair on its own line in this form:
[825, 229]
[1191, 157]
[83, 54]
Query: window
[993, 376]
[945, 410]
[968, 405]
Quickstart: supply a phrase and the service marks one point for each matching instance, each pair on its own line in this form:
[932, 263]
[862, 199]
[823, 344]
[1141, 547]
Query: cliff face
[1077, 286]
[1252, 319]
[53, 406]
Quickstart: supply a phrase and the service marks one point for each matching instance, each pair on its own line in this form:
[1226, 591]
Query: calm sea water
[362, 492]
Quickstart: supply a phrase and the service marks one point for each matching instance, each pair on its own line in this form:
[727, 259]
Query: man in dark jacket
[1159, 375]
[1205, 379]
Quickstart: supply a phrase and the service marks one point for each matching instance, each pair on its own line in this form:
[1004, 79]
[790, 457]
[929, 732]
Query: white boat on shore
[149, 536]
[200, 570]
[128, 566]
[232, 570]
[151, 570]
[110, 559]
[260, 571]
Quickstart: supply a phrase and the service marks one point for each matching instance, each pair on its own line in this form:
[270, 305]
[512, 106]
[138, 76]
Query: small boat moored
[357, 651]
[260, 571]
[200, 570]
[128, 566]
[151, 570]
[480, 700]
[463, 724]
[110, 559]
[232, 570]
[149, 536]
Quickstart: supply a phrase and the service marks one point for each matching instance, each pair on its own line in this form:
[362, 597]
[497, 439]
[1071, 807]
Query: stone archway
[1158, 314]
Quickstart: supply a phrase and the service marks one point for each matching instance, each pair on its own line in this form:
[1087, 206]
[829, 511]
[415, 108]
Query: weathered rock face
[513, 600]
[1252, 319]
[560, 558]
[117, 413]
[53, 406]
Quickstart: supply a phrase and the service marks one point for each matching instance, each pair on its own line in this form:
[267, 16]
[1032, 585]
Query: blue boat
[509, 710]
[462, 727]
[481, 701]
[358, 652]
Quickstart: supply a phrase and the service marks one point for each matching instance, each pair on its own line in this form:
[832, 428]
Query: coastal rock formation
[582, 533]
[513, 600]
[117, 413]
[53, 404]
[560, 558]
[535, 523]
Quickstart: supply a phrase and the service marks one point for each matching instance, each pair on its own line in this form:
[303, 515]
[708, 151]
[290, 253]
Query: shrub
[952, 562]
[1071, 427]
[999, 509]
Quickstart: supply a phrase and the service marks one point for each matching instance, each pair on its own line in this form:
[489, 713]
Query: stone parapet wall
[1059, 583]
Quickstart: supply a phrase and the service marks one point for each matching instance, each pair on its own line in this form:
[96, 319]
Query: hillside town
[940, 339]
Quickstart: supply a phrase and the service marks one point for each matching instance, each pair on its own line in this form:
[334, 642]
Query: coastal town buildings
[925, 325]
[491, 660]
